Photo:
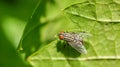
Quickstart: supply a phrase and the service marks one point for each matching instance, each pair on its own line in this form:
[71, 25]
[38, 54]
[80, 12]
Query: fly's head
[61, 35]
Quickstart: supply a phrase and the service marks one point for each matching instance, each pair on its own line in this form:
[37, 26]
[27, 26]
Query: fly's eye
[61, 37]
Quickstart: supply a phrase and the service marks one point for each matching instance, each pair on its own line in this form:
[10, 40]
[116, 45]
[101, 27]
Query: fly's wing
[85, 35]
[79, 47]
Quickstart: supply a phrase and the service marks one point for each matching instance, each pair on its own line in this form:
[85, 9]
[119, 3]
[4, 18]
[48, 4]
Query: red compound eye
[61, 37]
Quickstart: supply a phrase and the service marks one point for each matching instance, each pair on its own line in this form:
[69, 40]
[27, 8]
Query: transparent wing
[84, 34]
[79, 47]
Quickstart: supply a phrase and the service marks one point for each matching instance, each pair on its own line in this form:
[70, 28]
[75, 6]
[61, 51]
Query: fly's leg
[65, 44]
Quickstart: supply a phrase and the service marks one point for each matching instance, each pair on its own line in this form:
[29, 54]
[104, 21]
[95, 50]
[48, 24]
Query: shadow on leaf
[67, 50]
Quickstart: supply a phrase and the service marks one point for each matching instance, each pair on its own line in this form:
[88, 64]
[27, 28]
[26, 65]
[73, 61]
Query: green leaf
[101, 19]
[47, 18]
[55, 54]
[105, 30]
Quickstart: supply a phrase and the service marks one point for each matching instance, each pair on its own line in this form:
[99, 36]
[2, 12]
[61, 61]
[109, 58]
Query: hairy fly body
[74, 40]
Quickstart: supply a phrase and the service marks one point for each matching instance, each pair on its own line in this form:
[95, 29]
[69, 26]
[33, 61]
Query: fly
[74, 40]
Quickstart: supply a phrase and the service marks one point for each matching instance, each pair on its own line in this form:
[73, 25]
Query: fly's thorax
[68, 37]
[72, 37]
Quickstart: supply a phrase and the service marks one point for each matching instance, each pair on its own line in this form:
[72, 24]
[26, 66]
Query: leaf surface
[99, 18]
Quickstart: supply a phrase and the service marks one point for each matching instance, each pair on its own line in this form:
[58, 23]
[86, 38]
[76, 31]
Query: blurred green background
[14, 15]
